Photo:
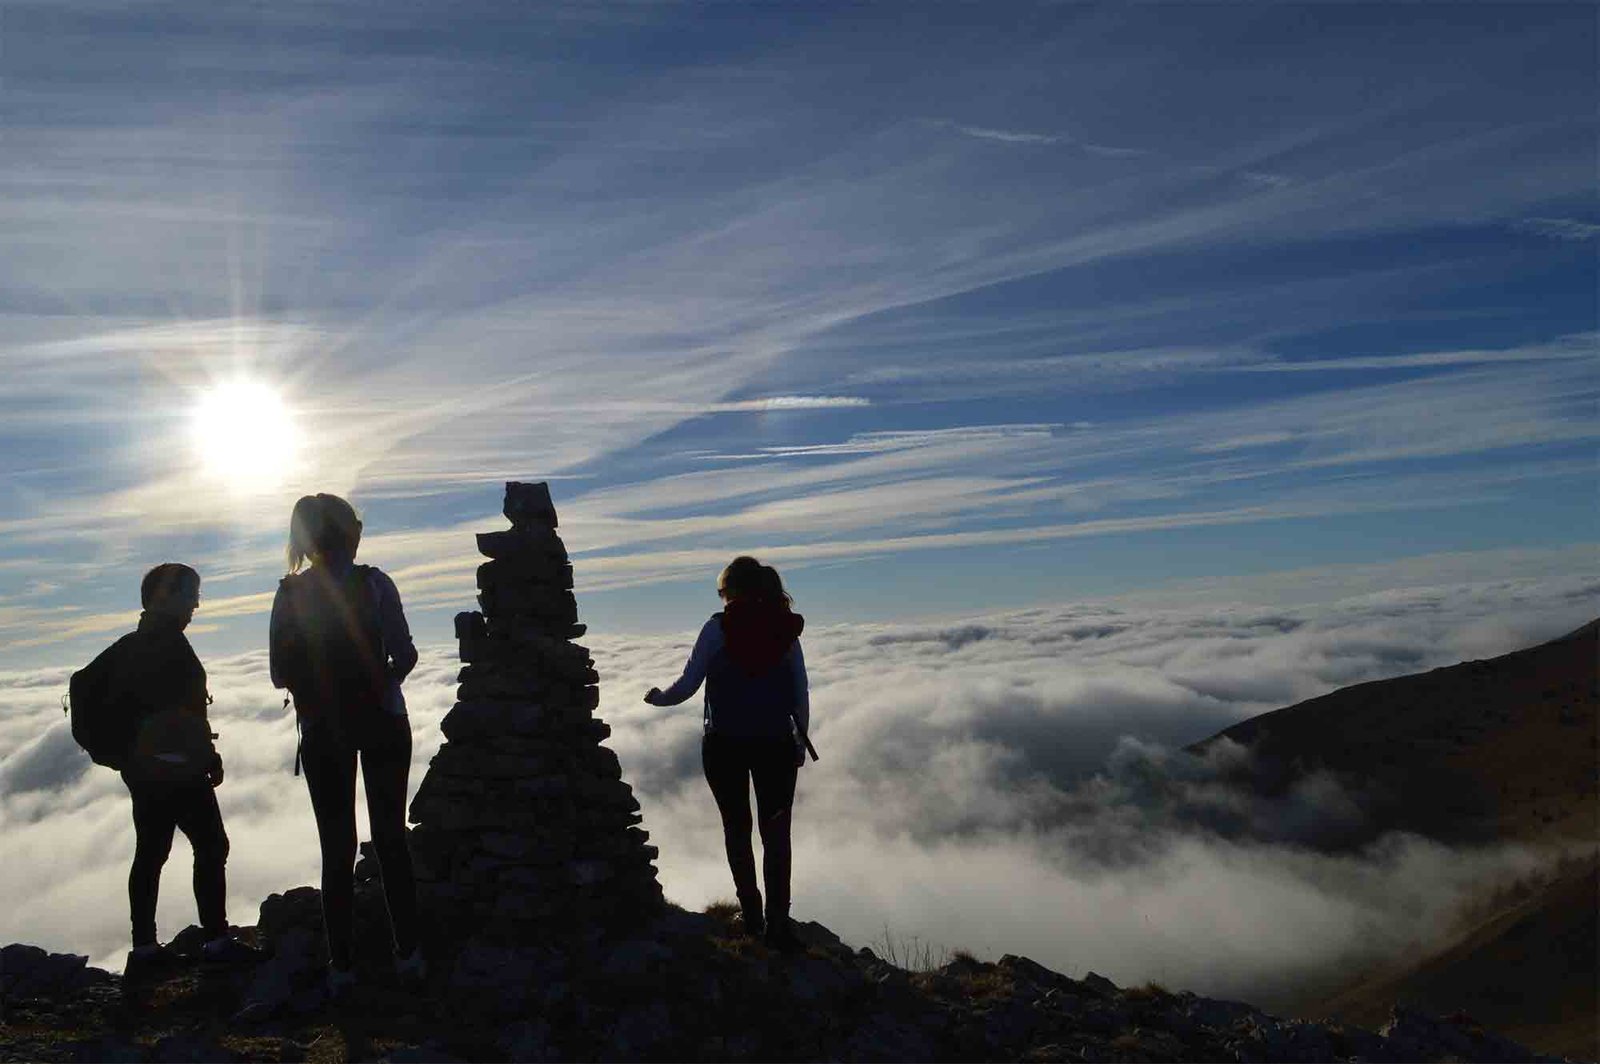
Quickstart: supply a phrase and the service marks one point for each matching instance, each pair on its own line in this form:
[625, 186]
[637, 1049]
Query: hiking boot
[151, 961]
[780, 936]
[412, 970]
[751, 922]
[225, 949]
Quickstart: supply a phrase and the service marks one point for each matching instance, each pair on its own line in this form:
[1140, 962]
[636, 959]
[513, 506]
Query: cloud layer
[1007, 782]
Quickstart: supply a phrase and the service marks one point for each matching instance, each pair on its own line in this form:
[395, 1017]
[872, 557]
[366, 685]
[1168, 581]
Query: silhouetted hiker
[157, 686]
[340, 644]
[757, 711]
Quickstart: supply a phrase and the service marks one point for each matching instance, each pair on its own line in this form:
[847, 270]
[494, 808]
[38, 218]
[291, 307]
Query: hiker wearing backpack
[140, 707]
[340, 644]
[757, 711]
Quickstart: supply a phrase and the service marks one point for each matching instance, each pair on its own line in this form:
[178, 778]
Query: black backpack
[330, 648]
[103, 722]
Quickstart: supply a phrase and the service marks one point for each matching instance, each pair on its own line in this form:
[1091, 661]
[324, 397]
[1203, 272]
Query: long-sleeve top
[164, 688]
[400, 653]
[711, 642]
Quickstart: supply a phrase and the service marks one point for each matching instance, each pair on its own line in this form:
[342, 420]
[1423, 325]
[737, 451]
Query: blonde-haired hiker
[757, 712]
[340, 644]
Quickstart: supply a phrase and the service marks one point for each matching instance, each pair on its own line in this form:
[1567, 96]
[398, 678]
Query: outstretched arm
[694, 672]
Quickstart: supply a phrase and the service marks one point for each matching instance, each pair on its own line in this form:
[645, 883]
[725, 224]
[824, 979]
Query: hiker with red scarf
[757, 712]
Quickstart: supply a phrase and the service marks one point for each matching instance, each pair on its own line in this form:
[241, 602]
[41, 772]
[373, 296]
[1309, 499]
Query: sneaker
[151, 961]
[780, 936]
[225, 949]
[341, 982]
[412, 970]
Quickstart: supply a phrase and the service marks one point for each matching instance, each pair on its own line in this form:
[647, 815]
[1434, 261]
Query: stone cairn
[525, 830]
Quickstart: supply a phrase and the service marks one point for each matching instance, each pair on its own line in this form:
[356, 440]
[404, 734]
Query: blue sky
[941, 308]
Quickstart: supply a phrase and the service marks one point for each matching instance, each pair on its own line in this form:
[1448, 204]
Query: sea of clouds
[1011, 782]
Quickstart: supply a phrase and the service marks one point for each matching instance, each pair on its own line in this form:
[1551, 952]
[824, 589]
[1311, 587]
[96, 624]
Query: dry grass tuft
[1127, 1042]
[1147, 992]
[910, 952]
[723, 909]
[989, 983]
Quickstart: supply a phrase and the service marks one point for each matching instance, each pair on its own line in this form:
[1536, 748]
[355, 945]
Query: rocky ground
[686, 987]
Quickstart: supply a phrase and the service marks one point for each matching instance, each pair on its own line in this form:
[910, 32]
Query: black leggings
[384, 746]
[159, 809]
[731, 765]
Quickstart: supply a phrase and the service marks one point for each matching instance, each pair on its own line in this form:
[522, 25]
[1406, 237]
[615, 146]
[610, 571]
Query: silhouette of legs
[775, 862]
[729, 779]
[385, 768]
[773, 771]
[200, 820]
[152, 830]
[330, 769]
[731, 765]
[158, 810]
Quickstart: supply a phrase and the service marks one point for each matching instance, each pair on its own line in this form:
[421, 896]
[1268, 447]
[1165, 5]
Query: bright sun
[245, 434]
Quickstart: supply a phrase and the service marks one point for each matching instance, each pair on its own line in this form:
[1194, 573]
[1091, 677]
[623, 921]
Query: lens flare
[245, 434]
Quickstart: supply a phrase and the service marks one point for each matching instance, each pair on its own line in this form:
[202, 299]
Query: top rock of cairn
[528, 506]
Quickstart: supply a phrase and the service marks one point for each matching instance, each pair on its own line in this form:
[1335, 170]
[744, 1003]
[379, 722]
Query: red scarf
[758, 633]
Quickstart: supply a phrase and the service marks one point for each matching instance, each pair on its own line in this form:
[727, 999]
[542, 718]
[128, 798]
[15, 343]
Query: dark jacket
[163, 686]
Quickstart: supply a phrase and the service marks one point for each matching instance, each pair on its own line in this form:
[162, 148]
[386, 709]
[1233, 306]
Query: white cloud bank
[1000, 783]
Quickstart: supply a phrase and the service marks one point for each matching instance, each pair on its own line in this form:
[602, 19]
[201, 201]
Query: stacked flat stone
[524, 825]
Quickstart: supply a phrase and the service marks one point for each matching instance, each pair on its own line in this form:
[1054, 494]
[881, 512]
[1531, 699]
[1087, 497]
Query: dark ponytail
[771, 586]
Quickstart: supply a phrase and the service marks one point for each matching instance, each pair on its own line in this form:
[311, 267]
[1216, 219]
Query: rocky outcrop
[687, 987]
[525, 830]
[30, 972]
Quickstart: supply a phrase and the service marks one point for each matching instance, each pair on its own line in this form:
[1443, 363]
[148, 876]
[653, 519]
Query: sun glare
[245, 434]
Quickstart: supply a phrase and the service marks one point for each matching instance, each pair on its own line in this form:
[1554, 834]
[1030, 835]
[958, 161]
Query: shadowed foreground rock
[683, 987]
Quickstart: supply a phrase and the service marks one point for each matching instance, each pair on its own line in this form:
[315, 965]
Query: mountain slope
[1496, 751]
[1526, 969]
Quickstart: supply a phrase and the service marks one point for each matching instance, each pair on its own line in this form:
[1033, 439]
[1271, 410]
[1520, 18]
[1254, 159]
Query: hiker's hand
[214, 773]
[653, 696]
[799, 755]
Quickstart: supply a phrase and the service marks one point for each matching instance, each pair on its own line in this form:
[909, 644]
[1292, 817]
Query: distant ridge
[1502, 749]
[1496, 751]
[1588, 631]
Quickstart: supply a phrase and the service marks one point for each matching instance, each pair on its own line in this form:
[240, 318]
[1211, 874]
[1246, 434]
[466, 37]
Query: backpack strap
[375, 598]
[299, 739]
